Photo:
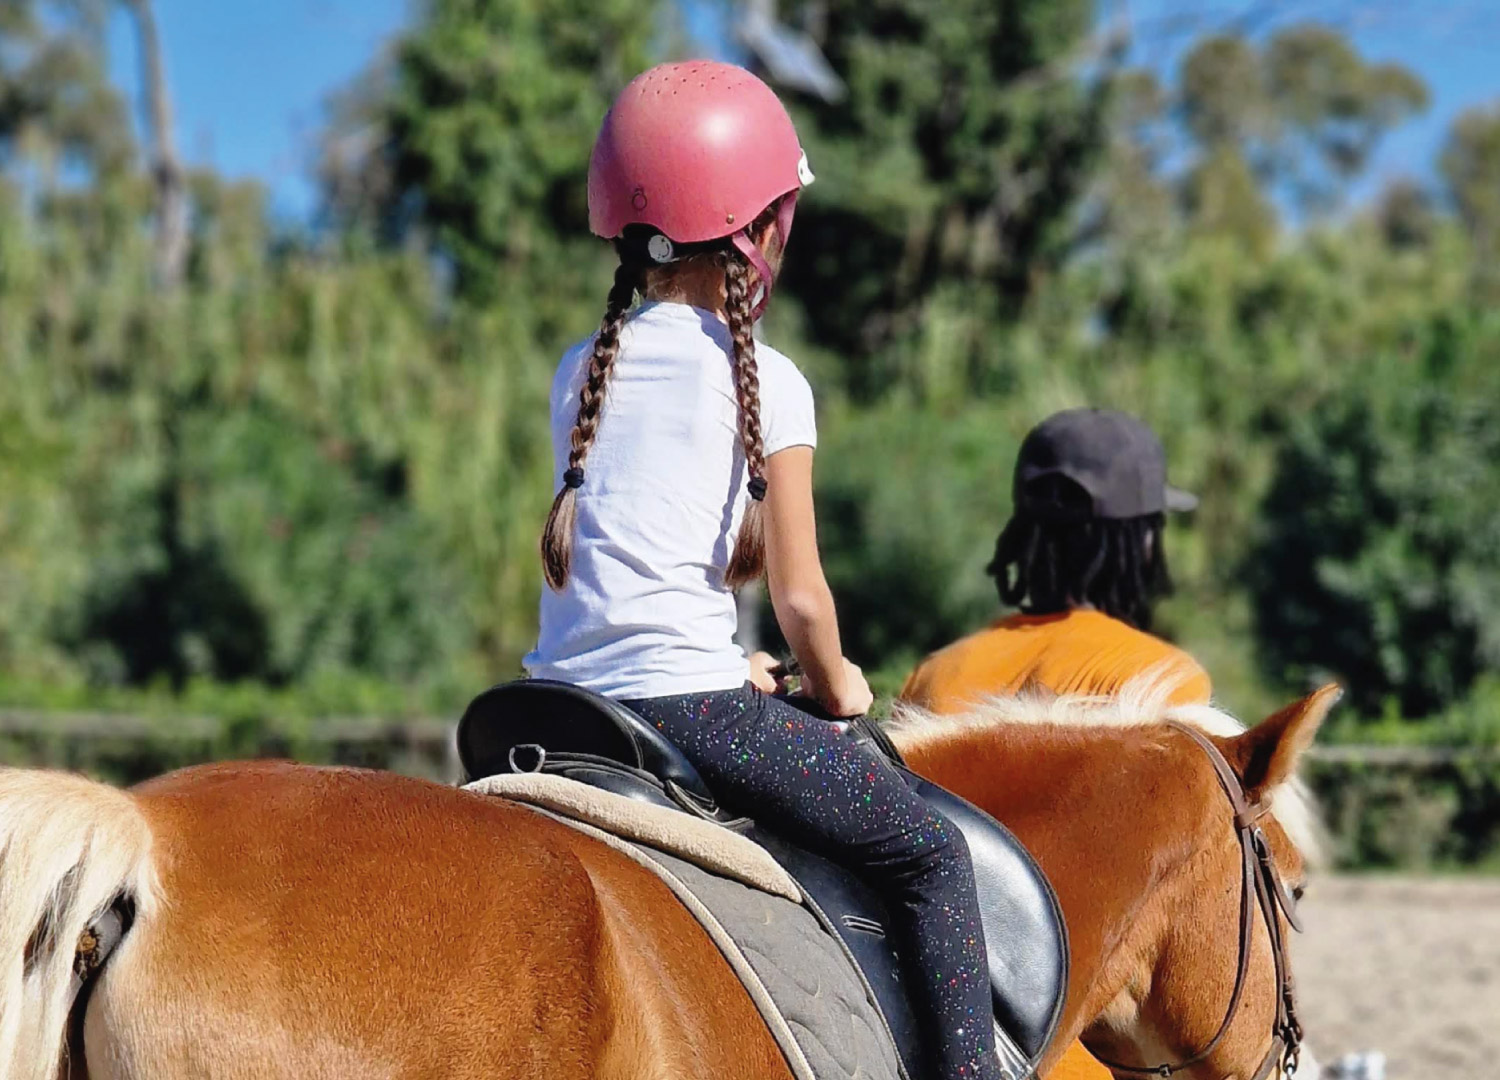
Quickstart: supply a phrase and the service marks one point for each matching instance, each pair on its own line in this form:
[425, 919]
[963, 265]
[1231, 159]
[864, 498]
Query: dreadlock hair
[1116, 566]
[747, 562]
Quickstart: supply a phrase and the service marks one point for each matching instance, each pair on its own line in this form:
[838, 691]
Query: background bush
[307, 479]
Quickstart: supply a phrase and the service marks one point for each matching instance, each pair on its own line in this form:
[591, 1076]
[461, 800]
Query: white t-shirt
[645, 612]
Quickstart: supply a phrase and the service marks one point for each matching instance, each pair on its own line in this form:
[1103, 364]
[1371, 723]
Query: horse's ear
[1266, 756]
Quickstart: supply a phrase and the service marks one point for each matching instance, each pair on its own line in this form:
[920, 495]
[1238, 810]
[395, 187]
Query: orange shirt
[1074, 652]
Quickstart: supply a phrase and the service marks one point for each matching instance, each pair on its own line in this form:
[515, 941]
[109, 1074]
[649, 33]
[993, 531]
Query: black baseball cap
[1115, 460]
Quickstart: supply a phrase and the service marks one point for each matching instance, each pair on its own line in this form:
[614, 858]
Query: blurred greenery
[309, 480]
[1378, 557]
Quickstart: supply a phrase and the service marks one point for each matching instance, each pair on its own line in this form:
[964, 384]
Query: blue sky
[251, 79]
[1454, 45]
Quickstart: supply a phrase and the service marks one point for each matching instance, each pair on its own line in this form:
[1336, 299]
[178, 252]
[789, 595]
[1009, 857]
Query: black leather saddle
[536, 724]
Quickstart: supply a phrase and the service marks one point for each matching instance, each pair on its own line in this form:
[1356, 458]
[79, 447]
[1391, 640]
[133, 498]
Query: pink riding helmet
[696, 150]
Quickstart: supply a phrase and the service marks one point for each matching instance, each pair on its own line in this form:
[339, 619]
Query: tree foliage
[1471, 167]
[1303, 107]
[950, 169]
[1379, 558]
[57, 107]
[480, 130]
[321, 464]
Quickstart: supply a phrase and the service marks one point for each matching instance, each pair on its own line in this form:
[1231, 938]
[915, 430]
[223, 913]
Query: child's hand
[763, 669]
[853, 698]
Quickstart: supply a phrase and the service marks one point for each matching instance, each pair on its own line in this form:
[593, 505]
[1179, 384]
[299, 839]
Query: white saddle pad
[692, 839]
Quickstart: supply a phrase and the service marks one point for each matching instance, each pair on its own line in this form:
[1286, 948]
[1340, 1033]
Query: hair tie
[757, 487]
[573, 478]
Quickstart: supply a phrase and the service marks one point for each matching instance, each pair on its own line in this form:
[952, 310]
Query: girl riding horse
[275, 920]
[684, 456]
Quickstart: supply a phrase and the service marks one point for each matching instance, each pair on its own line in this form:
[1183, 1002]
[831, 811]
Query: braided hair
[1116, 566]
[557, 537]
[747, 562]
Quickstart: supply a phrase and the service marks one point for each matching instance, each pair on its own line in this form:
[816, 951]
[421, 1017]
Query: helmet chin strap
[751, 250]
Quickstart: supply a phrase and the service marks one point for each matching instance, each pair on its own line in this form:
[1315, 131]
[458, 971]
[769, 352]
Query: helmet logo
[638, 199]
[660, 248]
[804, 170]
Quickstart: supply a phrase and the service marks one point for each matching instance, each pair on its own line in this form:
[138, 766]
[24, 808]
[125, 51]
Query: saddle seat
[539, 725]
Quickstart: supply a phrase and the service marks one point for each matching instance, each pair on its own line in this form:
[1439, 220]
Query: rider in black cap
[1091, 497]
[1082, 558]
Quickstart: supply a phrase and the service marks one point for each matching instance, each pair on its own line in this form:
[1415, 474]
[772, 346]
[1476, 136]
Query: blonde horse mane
[69, 848]
[1144, 701]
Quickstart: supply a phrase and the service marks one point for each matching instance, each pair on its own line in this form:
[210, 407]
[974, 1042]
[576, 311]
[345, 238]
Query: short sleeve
[787, 414]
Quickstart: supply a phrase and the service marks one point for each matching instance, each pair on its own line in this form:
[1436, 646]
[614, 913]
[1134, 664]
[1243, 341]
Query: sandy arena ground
[1410, 967]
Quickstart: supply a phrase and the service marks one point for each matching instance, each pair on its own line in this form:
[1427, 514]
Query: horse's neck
[1092, 805]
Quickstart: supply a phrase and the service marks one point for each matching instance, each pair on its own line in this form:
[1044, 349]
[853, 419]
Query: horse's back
[336, 922]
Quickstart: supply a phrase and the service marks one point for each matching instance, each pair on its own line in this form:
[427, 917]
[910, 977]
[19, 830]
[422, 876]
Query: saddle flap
[565, 720]
[1024, 931]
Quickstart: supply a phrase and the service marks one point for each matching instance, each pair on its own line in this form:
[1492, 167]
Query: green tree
[949, 175]
[1406, 215]
[1223, 93]
[1471, 166]
[1331, 106]
[480, 132]
[1302, 112]
[322, 461]
[57, 106]
[1379, 558]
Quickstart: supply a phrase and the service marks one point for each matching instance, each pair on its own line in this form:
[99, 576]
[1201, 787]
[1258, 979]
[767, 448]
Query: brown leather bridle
[1263, 881]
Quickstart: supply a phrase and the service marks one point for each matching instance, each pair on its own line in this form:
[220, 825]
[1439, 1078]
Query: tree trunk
[166, 166]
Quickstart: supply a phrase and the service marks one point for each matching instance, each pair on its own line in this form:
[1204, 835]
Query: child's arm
[799, 591]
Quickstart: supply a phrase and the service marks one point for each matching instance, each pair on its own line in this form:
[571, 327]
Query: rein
[1262, 881]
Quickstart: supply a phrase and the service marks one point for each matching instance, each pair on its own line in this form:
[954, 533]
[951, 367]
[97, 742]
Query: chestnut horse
[256, 920]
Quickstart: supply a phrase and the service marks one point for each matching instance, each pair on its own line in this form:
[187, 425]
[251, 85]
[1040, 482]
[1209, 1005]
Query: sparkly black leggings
[800, 776]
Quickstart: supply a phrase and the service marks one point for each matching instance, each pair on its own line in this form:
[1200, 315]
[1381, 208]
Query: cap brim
[1180, 501]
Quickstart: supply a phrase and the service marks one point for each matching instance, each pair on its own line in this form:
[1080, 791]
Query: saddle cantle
[554, 727]
[580, 734]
